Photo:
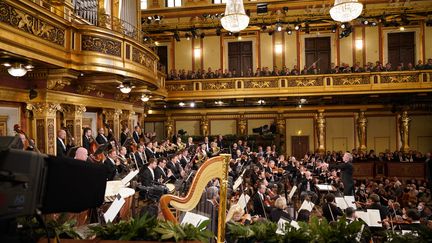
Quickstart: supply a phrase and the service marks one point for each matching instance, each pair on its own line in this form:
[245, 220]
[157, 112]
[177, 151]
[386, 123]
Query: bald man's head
[81, 154]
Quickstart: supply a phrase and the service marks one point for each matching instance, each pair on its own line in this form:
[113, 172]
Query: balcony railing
[301, 85]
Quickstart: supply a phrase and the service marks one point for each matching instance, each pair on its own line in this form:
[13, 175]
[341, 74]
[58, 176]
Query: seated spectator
[419, 65]
[428, 65]
[295, 70]
[305, 70]
[409, 67]
[266, 72]
[369, 67]
[249, 73]
[378, 67]
[210, 73]
[313, 69]
[285, 71]
[275, 71]
[356, 68]
[258, 72]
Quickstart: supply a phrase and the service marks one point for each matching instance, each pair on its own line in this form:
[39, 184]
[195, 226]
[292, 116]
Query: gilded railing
[406, 81]
[31, 30]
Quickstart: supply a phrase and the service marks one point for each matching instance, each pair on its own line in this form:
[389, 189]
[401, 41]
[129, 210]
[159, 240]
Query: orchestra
[267, 177]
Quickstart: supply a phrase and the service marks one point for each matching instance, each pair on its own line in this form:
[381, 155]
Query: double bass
[29, 143]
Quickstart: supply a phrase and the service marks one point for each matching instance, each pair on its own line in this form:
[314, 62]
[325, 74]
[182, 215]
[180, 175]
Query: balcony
[35, 30]
[301, 85]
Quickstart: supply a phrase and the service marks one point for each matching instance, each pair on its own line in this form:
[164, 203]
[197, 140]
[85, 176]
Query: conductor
[347, 173]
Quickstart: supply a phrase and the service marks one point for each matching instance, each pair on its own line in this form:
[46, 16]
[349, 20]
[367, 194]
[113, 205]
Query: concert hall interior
[216, 120]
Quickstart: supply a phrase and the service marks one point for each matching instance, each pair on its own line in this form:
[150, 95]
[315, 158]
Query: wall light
[18, 69]
[197, 52]
[359, 44]
[192, 104]
[278, 48]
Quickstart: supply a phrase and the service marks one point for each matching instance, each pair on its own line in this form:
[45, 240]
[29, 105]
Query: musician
[161, 173]
[174, 166]
[86, 138]
[307, 187]
[374, 202]
[149, 151]
[101, 138]
[140, 156]
[147, 176]
[206, 144]
[347, 173]
[122, 156]
[279, 210]
[330, 210]
[124, 135]
[258, 201]
[81, 154]
[184, 159]
[220, 141]
[112, 164]
[61, 147]
[136, 134]
[201, 156]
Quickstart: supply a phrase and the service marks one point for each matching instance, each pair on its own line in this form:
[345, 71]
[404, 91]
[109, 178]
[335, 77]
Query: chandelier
[126, 87]
[346, 10]
[235, 18]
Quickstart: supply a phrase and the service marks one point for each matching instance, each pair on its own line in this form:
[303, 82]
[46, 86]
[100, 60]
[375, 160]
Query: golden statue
[320, 130]
[404, 131]
[361, 130]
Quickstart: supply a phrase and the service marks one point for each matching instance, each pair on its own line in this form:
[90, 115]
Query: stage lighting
[289, 31]
[307, 29]
[176, 36]
[334, 28]
[187, 35]
[202, 35]
[218, 31]
[297, 27]
[365, 22]
[344, 25]
[278, 27]
[264, 27]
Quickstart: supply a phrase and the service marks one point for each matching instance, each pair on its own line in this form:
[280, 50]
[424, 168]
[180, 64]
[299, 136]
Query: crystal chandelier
[235, 18]
[346, 10]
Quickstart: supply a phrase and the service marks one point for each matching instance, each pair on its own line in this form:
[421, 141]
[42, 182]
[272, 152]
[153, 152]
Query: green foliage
[149, 228]
[339, 231]
[301, 235]
[423, 235]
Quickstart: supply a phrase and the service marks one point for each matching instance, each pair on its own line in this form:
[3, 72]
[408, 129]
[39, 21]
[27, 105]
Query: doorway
[299, 146]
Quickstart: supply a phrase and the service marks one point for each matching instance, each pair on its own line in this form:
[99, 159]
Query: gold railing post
[223, 199]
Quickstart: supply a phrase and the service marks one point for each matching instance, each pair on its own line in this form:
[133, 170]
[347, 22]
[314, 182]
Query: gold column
[44, 126]
[223, 199]
[127, 119]
[204, 126]
[73, 115]
[404, 123]
[112, 117]
[169, 125]
[242, 125]
[58, 7]
[280, 123]
[115, 15]
[320, 130]
[362, 130]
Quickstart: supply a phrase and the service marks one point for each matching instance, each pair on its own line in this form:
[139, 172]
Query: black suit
[347, 176]
[149, 153]
[146, 177]
[123, 138]
[136, 137]
[160, 173]
[175, 169]
[86, 143]
[258, 205]
[61, 151]
[331, 215]
[101, 139]
[112, 169]
[277, 213]
[140, 161]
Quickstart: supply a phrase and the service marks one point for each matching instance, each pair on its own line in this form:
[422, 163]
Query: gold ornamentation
[404, 123]
[51, 136]
[100, 94]
[242, 123]
[408, 78]
[169, 124]
[204, 126]
[320, 130]
[121, 96]
[361, 130]
[180, 87]
[280, 123]
[357, 80]
[101, 45]
[30, 24]
[40, 134]
[40, 109]
[57, 84]
[218, 85]
[86, 89]
[304, 82]
[74, 110]
[261, 84]
[142, 58]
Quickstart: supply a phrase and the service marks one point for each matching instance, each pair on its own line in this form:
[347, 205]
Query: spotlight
[297, 27]
[230, 33]
[192, 104]
[279, 27]
[270, 32]
[187, 35]
[402, 28]
[202, 35]
[194, 33]
[344, 25]
[365, 22]
[334, 28]
[237, 34]
[146, 38]
[373, 23]
[307, 29]
[218, 31]
[150, 18]
[289, 31]
[176, 36]
[32, 94]
[264, 27]
[261, 102]
[181, 104]
[285, 9]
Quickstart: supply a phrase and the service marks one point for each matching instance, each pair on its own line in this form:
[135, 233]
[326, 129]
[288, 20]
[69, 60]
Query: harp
[216, 167]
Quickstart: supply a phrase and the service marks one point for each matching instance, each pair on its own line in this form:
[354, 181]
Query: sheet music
[295, 224]
[114, 209]
[340, 202]
[324, 187]
[129, 177]
[237, 183]
[350, 200]
[243, 200]
[281, 226]
[371, 217]
[308, 205]
[293, 190]
[193, 218]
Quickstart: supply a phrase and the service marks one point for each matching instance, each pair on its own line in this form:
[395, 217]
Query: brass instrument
[216, 167]
[181, 146]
